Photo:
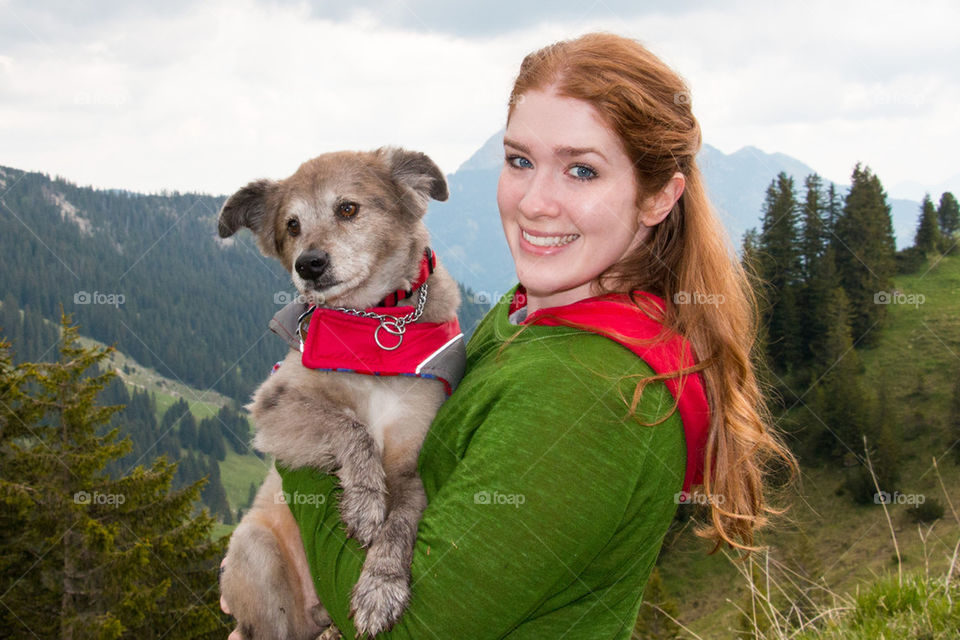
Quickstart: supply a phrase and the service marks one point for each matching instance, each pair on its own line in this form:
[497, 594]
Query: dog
[348, 226]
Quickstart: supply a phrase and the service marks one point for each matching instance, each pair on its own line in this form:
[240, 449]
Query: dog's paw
[363, 510]
[378, 600]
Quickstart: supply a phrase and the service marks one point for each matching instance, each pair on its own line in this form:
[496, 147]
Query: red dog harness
[384, 340]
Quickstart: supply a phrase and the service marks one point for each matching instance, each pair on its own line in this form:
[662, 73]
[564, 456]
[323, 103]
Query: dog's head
[348, 225]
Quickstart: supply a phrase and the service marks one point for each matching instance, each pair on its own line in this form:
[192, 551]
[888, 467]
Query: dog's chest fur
[396, 410]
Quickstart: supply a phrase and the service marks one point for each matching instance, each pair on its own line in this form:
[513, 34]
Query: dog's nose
[311, 264]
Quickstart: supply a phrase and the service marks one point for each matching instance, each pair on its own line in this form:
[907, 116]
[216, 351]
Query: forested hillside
[147, 274]
[144, 273]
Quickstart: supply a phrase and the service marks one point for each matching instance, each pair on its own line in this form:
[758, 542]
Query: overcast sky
[207, 96]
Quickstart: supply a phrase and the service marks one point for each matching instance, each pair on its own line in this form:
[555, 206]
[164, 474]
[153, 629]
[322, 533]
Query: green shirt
[547, 504]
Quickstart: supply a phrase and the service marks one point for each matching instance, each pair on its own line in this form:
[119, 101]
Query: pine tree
[188, 431]
[948, 215]
[814, 242]
[818, 312]
[750, 254]
[928, 237]
[834, 210]
[213, 493]
[779, 267]
[84, 554]
[865, 250]
[656, 610]
[847, 406]
[813, 235]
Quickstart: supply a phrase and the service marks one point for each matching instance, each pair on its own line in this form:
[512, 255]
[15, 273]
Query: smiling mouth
[549, 241]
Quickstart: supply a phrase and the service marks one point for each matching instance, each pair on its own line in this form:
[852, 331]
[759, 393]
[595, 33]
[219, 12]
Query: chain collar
[391, 324]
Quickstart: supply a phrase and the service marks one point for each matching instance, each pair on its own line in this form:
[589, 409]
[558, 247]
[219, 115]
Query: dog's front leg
[304, 431]
[383, 590]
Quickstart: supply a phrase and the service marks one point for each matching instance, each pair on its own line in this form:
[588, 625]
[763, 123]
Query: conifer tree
[820, 297]
[187, 430]
[928, 229]
[846, 405]
[865, 249]
[834, 209]
[817, 276]
[84, 554]
[654, 621]
[779, 267]
[813, 223]
[213, 493]
[948, 214]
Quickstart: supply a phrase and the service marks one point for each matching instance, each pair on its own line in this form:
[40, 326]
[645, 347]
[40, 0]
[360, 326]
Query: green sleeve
[554, 481]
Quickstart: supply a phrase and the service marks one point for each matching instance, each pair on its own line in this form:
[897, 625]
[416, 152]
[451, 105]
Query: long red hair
[687, 260]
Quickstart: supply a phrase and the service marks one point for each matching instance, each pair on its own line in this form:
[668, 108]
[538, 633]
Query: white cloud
[212, 95]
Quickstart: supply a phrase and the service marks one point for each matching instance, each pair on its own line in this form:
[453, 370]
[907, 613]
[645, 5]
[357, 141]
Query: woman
[553, 472]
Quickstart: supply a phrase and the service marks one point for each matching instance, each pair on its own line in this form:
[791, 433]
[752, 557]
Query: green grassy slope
[837, 542]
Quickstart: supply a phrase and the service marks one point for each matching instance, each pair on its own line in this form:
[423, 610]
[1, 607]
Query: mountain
[145, 273]
[467, 232]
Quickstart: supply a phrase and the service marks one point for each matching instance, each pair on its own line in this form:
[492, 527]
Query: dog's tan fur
[366, 429]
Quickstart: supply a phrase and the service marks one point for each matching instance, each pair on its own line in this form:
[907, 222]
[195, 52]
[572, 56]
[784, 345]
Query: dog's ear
[248, 208]
[417, 174]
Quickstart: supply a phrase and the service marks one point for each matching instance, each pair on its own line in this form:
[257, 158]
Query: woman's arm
[549, 478]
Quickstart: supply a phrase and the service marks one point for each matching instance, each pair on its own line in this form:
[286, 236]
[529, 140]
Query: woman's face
[567, 196]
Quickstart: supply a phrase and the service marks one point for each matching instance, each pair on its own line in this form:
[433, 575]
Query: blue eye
[519, 162]
[582, 172]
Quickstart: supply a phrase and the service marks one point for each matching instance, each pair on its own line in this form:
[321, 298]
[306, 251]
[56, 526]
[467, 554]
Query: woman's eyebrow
[507, 142]
[577, 151]
[563, 150]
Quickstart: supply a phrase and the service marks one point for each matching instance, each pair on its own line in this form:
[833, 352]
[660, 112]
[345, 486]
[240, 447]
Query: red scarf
[615, 316]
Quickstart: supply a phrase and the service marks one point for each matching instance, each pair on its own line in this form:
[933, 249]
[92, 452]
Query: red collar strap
[617, 317]
[427, 264]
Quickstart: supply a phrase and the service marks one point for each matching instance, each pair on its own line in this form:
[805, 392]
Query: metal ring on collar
[396, 330]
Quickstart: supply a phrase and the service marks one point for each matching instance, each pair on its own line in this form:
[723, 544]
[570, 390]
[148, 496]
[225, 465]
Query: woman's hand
[235, 634]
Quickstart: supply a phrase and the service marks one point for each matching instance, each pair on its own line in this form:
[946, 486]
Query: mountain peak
[489, 156]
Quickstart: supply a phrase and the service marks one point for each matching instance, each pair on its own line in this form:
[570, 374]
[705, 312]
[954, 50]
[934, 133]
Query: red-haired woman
[616, 379]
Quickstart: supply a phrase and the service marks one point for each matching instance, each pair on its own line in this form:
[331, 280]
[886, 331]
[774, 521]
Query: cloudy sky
[206, 96]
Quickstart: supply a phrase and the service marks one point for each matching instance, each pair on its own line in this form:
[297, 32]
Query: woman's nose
[540, 196]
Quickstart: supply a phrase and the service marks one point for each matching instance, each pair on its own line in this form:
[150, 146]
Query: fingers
[223, 601]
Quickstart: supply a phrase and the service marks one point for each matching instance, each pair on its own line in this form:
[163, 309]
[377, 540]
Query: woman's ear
[660, 204]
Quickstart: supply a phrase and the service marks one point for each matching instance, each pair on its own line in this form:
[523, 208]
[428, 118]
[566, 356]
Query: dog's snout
[311, 264]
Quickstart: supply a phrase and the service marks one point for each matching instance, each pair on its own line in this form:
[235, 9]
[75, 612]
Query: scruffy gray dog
[348, 226]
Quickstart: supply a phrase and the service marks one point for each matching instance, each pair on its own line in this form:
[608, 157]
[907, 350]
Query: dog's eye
[348, 209]
[293, 227]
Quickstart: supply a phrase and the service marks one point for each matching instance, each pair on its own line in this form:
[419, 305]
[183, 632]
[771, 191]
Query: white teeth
[549, 241]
